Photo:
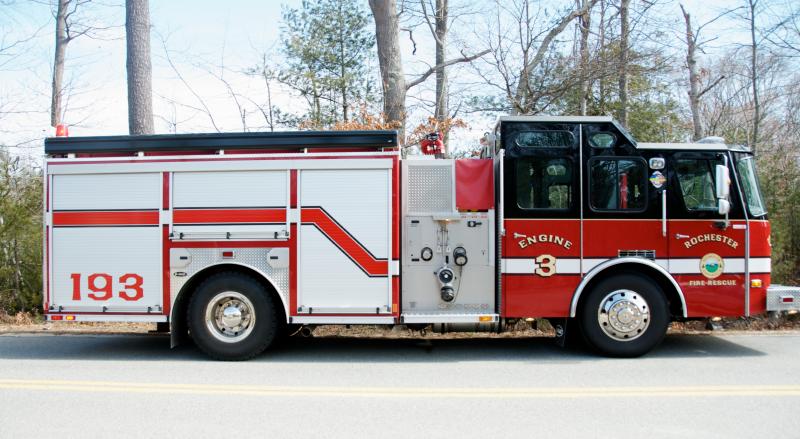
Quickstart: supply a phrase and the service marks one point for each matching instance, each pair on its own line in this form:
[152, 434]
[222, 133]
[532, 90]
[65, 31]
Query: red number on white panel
[131, 282]
[101, 286]
[95, 287]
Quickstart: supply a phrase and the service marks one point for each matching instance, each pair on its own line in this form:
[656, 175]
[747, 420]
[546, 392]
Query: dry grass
[30, 323]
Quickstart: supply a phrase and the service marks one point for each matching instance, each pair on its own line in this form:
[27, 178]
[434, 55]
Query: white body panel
[332, 282]
[107, 192]
[355, 193]
[357, 199]
[229, 189]
[115, 251]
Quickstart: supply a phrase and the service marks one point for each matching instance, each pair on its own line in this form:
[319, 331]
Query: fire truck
[236, 239]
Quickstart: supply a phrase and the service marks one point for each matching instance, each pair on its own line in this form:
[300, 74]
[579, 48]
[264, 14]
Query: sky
[197, 34]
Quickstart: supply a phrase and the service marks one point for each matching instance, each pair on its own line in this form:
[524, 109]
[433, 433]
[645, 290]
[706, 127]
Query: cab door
[541, 263]
[706, 251]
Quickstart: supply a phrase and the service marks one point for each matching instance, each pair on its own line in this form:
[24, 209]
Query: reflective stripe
[674, 266]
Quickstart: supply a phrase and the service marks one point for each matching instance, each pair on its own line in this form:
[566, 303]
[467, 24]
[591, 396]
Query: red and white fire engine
[237, 238]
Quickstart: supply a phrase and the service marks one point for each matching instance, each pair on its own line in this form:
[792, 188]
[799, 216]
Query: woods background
[668, 71]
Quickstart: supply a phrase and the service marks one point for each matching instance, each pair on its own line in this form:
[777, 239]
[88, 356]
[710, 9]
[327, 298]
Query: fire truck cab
[236, 238]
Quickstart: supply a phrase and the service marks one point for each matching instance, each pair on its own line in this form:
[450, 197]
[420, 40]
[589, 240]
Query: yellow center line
[402, 392]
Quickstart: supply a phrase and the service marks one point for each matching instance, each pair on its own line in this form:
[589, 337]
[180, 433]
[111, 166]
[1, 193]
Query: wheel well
[672, 295]
[178, 325]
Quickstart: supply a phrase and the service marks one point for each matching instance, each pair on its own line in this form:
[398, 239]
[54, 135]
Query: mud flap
[568, 334]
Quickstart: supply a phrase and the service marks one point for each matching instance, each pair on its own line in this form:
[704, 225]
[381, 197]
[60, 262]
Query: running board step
[448, 318]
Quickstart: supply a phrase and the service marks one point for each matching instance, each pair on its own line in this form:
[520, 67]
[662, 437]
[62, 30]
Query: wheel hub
[623, 315]
[230, 317]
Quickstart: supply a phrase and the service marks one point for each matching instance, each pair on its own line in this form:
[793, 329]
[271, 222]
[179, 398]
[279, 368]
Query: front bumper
[783, 298]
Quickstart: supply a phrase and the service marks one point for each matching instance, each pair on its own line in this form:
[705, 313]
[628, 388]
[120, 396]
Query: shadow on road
[156, 348]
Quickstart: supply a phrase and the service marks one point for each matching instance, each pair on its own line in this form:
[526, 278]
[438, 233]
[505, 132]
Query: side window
[544, 183]
[696, 179]
[617, 184]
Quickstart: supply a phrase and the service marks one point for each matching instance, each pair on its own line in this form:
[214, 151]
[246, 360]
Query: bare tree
[624, 35]
[693, 44]
[751, 9]
[584, 24]
[393, 79]
[395, 87]
[140, 91]
[70, 25]
[524, 56]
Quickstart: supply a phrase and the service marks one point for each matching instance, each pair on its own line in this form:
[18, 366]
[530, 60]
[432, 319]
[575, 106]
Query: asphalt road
[135, 386]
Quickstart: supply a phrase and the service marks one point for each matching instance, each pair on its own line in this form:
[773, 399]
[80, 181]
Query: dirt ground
[27, 323]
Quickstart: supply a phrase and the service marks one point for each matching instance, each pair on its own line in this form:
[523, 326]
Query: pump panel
[448, 256]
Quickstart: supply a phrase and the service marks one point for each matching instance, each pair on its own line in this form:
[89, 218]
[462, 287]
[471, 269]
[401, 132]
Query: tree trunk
[584, 22]
[389, 59]
[601, 86]
[694, 78]
[752, 4]
[442, 110]
[140, 93]
[56, 112]
[623, 62]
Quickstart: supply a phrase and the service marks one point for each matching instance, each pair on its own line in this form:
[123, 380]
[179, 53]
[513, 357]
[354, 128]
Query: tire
[624, 316]
[232, 317]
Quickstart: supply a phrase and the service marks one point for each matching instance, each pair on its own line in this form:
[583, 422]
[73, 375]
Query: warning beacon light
[432, 145]
[62, 130]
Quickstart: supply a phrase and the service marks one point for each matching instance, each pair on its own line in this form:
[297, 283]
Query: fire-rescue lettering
[710, 237]
[537, 239]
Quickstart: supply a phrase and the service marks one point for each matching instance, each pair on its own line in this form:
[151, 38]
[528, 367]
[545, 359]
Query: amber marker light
[485, 318]
[756, 283]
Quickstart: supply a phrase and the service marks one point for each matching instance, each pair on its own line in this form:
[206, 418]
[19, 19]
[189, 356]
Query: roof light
[712, 139]
[62, 130]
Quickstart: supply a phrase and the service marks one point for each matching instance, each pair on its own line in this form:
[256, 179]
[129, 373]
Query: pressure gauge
[427, 254]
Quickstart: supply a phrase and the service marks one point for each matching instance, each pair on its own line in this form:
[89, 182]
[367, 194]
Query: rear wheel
[624, 316]
[232, 317]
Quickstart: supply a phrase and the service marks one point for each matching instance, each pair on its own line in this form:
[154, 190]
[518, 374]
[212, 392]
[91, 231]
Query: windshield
[747, 171]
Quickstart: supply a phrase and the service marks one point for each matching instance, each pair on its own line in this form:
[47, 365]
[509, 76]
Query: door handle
[681, 236]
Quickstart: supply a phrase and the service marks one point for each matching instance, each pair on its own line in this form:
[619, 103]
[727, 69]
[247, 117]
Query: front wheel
[624, 316]
[232, 317]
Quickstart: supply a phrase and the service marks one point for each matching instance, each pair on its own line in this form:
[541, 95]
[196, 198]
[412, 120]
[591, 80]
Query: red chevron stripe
[317, 216]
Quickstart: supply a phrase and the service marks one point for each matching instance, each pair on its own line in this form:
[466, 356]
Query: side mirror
[723, 189]
[723, 206]
[723, 180]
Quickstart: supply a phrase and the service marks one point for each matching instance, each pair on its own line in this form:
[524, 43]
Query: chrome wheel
[230, 316]
[623, 315]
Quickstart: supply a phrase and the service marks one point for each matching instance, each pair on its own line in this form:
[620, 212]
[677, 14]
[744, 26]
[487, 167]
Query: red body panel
[530, 294]
[474, 184]
[606, 238]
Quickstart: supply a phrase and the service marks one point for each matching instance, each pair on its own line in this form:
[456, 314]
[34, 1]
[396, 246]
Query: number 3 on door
[545, 265]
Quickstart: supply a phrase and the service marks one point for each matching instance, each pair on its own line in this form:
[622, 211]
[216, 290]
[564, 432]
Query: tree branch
[712, 85]
[433, 69]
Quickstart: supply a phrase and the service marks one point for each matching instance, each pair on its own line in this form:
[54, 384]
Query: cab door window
[544, 183]
[617, 184]
[696, 179]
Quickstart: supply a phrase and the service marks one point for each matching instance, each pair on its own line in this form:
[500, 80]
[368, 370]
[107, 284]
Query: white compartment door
[344, 242]
[106, 243]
